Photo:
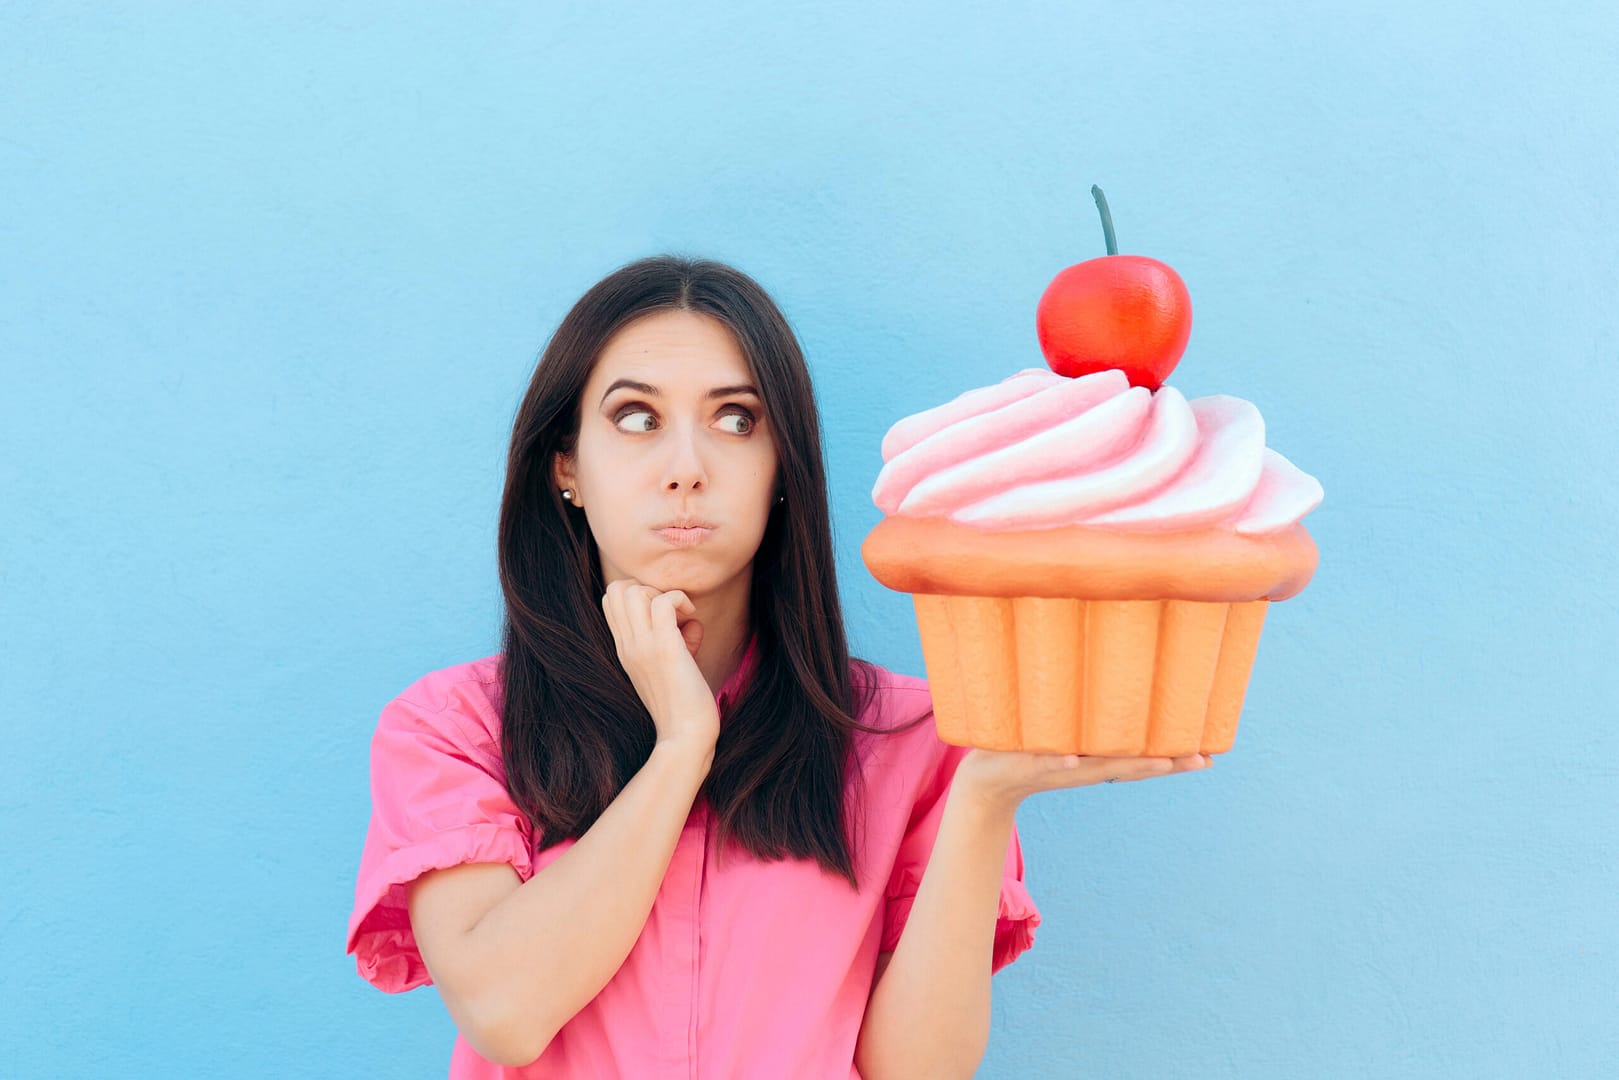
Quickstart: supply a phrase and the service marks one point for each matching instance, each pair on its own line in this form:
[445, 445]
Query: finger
[1129, 770]
[1080, 770]
[666, 620]
[1088, 771]
[679, 605]
[691, 631]
[661, 610]
[1146, 768]
[1063, 770]
[622, 618]
[690, 627]
[638, 606]
[612, 611]
[641, 606]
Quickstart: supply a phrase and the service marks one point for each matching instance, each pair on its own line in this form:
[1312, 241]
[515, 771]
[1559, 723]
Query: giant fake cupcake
[1092, 555]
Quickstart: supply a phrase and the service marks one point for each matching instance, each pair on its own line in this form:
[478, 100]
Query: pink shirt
[745, 968]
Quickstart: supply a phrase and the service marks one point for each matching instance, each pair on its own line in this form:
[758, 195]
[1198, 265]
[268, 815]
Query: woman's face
[648, 455]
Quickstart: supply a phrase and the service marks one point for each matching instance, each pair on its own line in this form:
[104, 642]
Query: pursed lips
[684, 536]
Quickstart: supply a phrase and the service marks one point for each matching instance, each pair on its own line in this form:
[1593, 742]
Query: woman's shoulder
[901, 709]
[463, 698]
[895, 696]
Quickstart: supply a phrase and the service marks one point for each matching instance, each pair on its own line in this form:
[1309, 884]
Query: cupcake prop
[1091, 555]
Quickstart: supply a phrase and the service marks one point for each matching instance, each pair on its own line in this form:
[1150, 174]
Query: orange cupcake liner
[1111, 678]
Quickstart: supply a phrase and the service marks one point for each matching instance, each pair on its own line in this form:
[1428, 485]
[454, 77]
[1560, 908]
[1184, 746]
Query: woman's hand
[1002, 779]
[657, 635]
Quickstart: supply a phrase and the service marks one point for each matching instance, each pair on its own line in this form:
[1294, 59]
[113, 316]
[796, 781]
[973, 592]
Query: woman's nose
[685, 463]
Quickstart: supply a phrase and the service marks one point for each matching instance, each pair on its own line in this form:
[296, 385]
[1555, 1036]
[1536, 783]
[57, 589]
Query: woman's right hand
[657, 635]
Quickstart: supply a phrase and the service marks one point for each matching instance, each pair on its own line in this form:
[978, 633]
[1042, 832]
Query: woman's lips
[684, 537]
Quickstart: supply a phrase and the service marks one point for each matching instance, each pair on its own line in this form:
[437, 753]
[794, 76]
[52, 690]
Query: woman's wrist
[986, 804]
[685, 754]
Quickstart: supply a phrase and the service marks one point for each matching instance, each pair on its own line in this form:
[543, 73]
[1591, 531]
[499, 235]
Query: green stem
[1107, 221]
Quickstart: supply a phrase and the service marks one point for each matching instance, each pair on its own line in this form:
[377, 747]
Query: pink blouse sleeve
[437, 800]
[1014, 927]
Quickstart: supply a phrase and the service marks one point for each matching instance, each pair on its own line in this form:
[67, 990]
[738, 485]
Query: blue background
[273, 279]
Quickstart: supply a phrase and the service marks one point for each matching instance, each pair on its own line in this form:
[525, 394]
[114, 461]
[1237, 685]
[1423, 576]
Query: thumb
[692, 632]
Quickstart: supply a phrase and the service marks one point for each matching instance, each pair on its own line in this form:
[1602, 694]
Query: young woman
[673, 829]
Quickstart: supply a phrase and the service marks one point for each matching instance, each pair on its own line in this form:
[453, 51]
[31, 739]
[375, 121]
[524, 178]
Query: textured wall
[272, 280]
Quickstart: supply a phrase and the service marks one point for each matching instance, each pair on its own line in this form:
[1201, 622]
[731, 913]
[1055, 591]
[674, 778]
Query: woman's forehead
[675, 352]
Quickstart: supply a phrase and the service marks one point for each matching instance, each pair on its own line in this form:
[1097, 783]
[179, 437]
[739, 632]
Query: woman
[673, 828]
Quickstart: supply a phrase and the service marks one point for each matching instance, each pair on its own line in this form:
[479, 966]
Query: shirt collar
[742, 675]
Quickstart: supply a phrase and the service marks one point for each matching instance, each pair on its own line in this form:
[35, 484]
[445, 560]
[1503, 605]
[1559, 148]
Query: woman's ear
[562, 471]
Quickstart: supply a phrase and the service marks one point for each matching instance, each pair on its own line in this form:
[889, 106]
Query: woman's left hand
[1003, 778]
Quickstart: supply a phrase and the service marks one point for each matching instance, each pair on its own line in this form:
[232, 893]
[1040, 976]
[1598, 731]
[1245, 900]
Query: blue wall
[272, 281]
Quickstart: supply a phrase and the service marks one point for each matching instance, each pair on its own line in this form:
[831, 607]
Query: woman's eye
[633, 412]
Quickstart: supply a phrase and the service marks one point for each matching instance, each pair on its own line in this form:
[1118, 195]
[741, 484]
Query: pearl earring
[567, 493]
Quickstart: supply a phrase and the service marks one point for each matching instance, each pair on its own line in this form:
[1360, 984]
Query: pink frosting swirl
[1041, 450]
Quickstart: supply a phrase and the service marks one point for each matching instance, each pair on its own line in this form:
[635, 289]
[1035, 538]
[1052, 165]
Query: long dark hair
[574, 730]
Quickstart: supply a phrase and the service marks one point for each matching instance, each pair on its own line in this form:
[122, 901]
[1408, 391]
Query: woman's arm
[515, 960]
[929, 1013]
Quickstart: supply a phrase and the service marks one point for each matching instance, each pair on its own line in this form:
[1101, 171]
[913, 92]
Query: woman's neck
[725, 639]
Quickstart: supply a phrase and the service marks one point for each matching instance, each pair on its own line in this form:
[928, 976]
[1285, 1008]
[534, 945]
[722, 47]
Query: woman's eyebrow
[644, 388]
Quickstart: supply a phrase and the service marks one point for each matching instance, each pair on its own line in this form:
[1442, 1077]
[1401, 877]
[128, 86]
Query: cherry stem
[1107, 221]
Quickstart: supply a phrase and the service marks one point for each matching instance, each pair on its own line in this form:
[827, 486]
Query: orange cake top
[935, 555]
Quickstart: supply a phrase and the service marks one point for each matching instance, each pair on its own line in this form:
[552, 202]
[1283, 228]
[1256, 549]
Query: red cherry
[1117, 311]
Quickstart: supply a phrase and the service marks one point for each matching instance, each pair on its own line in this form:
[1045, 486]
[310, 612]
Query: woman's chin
[695, 571]
[672, 571]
